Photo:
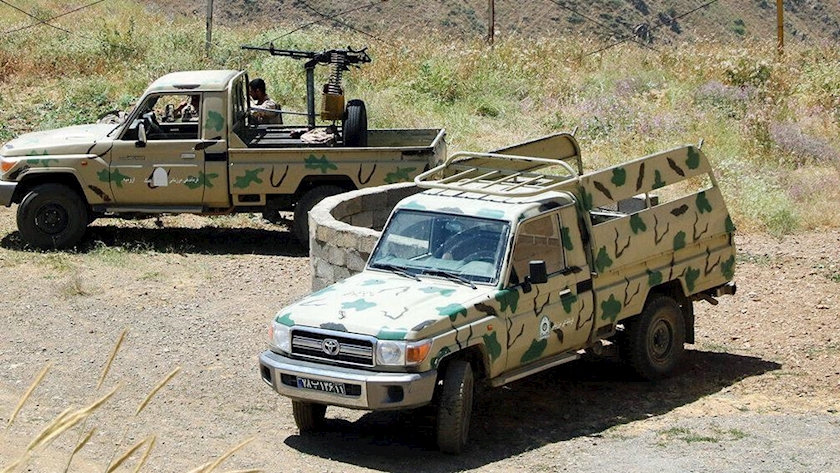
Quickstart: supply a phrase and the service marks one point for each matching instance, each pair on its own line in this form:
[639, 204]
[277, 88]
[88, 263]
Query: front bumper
[363, 389]
[7, 192]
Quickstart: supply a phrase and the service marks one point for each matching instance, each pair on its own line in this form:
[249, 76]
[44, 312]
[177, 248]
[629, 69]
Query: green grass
[689, 436]
[771, 126]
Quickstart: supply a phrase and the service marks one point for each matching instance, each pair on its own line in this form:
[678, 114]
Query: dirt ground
[760, 391]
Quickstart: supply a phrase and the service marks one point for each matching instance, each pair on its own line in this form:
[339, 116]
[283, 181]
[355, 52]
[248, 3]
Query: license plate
[317, 385]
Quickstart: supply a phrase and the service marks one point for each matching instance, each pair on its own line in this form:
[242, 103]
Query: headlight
[394, 353]
[279, 337]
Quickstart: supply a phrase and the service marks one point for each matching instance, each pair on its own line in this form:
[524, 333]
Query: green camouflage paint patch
[116, 177]
[657, 180]
[322, 163]
[285, 319]
[358, 304]
[391, 333]
[729, 226]
[491, 213]
[440, 355]
[654, 278]
[322, 291]
[691, 276]
[567, 300]
[567, 239]
[693, 161]
[679, 241]
[728, 267]
[215, 121]
[250, 176]
[373, 282]
[535, 351]
[452, 311]
[494, 348]
[436, 290]
[203, 179]
[603, 260]
[637, 224]
[400, 175]
[586, 200]
[619, 177]
[508, 298]
[414, 206]
[703, 204]
[610, 308]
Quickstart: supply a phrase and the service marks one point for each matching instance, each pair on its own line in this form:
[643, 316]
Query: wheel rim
[51, 218]
[661, 341]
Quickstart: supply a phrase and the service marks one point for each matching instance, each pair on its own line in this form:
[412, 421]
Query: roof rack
[496, 174]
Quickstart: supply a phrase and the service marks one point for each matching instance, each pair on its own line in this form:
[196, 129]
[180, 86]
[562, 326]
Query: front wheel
[455, 407]
[309, 417]
[309, 200]
[656, 340]
[52, 216]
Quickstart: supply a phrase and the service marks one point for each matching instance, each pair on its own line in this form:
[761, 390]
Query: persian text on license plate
[317, 385]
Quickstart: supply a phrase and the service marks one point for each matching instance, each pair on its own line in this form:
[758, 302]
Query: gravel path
[758, 392]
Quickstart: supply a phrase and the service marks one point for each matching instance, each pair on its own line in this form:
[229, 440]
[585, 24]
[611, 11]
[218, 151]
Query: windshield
[437, 244]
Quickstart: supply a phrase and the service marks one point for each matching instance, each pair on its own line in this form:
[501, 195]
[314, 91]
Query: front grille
[350, 350]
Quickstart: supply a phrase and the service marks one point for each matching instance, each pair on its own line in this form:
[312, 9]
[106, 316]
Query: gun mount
[332, 95]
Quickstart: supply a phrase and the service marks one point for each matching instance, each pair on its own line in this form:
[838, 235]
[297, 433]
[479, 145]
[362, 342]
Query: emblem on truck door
[331, 346]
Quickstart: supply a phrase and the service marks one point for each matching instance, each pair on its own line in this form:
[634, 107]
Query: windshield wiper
[395, 269]
[449, 275]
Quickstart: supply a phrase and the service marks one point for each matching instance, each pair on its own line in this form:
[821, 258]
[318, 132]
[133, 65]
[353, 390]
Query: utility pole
[780, 27]
[491, 27]
[210, 27]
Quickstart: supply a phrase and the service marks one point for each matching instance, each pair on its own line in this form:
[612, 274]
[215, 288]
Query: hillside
[666, 21]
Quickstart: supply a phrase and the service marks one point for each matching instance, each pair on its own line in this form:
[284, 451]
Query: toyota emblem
[331, 346]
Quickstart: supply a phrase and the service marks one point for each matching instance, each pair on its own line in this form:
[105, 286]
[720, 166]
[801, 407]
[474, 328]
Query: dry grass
[69, 418]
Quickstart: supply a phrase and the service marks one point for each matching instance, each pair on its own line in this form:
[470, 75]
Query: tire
[355, 124]
[455, 407]
[309, 200]
[52, 216]
[656, 340]
[309, 417]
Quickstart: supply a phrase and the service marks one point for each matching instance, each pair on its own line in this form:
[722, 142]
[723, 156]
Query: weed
[74, 287]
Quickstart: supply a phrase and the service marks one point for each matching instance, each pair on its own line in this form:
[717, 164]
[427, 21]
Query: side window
[538, 239]
[167, 117]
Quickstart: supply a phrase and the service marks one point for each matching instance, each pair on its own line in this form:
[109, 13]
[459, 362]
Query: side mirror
[141, 136]
[537, 272]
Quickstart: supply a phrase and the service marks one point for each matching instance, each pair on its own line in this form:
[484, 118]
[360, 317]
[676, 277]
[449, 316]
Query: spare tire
[355, 124]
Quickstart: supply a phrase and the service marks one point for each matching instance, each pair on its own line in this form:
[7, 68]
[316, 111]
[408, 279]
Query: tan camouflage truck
[505, 266]
[216, 160]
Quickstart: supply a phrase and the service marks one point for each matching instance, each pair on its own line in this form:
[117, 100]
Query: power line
[45, 22]
[363, 7]
[340, 22]
[624, 36]
[654, 27]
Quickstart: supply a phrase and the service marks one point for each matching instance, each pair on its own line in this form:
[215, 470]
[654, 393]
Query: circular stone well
[343, 230]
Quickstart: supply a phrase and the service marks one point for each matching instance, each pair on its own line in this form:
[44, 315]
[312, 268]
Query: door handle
[187, 155]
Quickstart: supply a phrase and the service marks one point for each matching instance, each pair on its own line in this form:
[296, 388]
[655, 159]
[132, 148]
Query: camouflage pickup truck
[217, 159]
[507, 265]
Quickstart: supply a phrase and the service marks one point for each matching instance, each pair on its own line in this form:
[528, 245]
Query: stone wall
[343, 230]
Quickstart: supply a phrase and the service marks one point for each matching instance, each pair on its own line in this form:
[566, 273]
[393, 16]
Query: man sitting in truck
[262, 103]
[188, 110]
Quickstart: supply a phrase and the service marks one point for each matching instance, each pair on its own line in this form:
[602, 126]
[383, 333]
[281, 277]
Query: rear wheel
[455, 407]
[52, 216]
[309, 417]
[355, 124]
[656, 340]
[309, 200]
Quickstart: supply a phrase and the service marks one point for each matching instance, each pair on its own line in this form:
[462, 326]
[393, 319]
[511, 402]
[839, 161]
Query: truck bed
[279, 136]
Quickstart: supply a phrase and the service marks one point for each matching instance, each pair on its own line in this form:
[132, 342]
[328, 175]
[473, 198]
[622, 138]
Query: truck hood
[384, 305]
[78, 139]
